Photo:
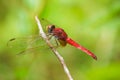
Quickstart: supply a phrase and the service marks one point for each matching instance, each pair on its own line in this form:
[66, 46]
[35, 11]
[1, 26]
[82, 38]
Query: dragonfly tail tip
[95, 57]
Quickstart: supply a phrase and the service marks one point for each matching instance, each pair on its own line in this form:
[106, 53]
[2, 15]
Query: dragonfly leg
[57, 43]
[49, 37]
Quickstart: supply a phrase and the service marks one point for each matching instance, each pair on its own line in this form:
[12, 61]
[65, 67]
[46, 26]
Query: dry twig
[60, 58]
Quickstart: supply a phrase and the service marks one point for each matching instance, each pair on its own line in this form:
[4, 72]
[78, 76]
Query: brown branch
[60, 58]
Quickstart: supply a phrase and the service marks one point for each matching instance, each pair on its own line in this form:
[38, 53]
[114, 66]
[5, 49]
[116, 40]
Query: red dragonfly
[62, 38]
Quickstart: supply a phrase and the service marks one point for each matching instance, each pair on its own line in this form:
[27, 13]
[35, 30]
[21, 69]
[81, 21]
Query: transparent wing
[31, 44]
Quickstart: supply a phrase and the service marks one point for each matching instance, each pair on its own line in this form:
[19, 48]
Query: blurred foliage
[96, 20]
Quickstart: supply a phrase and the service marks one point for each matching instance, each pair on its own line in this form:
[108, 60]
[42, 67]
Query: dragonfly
[61, 37]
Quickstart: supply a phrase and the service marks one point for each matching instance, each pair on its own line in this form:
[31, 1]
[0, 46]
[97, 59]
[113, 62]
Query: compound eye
[50, 28]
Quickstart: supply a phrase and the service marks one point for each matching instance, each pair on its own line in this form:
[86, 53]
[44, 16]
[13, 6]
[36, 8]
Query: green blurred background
[92, 23]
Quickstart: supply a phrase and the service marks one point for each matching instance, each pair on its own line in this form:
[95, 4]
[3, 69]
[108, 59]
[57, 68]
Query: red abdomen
[73, 43]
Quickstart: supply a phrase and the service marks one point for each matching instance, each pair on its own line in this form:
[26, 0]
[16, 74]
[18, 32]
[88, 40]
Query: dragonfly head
[50, 28]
